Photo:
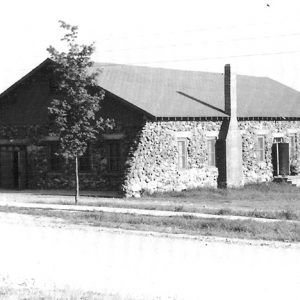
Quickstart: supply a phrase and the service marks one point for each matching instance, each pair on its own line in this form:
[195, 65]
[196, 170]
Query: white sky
[192, 35]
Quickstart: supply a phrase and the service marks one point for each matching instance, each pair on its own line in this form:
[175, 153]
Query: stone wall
[255, 171]
[153, 165]
[150, 156]
[128, 123]
[40, 175]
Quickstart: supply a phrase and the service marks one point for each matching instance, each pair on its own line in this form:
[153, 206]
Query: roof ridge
[108, 64]
[100, 64]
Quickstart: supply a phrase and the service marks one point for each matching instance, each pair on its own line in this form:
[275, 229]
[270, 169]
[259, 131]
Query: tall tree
[78, 98]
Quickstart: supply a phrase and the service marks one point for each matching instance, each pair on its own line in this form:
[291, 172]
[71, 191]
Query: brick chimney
[230, 145]
[230, 92]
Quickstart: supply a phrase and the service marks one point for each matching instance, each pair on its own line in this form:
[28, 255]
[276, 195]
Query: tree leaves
[75, 108]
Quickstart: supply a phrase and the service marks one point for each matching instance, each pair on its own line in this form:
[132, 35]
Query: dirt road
[50, 254]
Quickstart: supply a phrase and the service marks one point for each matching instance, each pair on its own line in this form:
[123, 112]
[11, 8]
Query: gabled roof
[177, 93]
[43, 64]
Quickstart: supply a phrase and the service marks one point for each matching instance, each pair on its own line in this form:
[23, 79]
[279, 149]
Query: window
[293, 147]
[85, 161]
[114, 156]
[182, 153]
[278, 140]
[56, 160]
[211, 151]
[260, 148]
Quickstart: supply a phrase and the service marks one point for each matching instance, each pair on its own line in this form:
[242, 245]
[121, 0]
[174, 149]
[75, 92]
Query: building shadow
[201, 102]
[220, 143]
[221, 154]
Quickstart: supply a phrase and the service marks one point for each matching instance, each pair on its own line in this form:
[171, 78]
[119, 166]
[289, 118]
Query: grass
[266, 200]
[278, 231]
[281, 215]
[259, 194]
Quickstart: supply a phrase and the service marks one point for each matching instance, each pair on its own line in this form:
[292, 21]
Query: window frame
[209, 153]
[278, 139]
[257, 149]
[183, 155]
[293, 150]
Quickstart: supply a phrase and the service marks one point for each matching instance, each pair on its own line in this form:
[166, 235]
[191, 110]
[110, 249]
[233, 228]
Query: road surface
[51, 254]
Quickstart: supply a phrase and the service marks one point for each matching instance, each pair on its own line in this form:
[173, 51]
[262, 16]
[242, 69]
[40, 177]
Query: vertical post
[233, 138]
[76, 181]
[277, 159]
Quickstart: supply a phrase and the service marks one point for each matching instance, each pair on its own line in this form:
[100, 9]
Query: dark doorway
[280, 159]
[13, 174]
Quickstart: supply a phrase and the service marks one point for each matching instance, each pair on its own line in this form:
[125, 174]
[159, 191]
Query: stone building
[174, 130]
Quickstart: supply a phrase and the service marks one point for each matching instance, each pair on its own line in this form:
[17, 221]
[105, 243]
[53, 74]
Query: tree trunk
[76, 181]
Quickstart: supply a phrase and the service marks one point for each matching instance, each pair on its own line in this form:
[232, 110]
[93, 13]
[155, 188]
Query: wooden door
[6, 168]
[13, 174]
[280, 159]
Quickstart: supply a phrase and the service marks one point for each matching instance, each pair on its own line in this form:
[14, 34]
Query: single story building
[173, 130]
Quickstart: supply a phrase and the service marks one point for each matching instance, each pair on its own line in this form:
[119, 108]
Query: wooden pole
[76, 181]
[277, 160]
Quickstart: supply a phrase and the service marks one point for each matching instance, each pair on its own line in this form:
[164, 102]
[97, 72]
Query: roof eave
[20, 81]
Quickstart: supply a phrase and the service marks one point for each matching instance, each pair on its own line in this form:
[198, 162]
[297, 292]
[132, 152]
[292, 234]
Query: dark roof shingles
[177, 93]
